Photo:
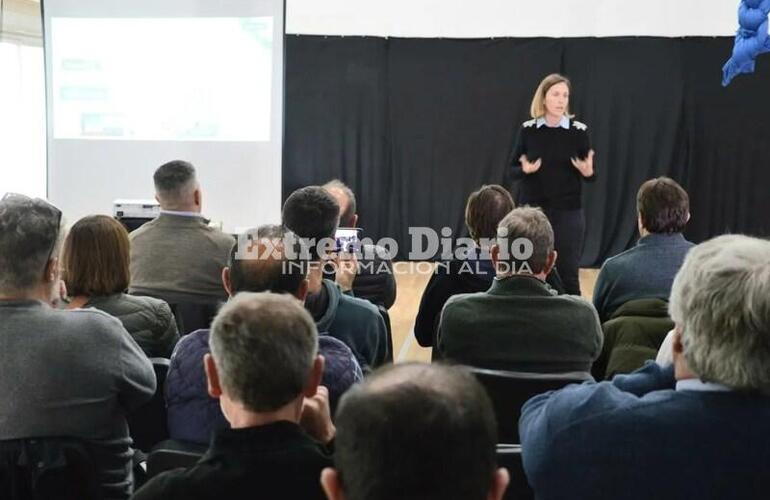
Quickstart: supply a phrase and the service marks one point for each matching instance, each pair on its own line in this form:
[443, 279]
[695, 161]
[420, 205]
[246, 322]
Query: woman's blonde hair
[537, 108]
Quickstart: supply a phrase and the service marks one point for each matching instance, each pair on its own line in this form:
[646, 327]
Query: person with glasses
[65, 373]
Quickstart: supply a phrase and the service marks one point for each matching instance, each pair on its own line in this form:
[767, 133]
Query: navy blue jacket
[638, 438]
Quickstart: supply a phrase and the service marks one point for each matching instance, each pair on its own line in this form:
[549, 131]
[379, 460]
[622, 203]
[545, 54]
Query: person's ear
[226, 282]
[688, 218]
[315, 377]
[302, 290]
[212, 376]
[500, 481]
[639, 223]
[550, 262]
[52, 270]
[157, 199]
[331, 484]
[198, 197]
[354, 220]
[677, 348]
[494, 253]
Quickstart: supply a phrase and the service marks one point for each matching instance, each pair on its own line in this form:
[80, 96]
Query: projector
[135, 209]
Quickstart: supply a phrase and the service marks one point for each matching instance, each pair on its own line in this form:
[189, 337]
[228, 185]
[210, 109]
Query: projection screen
[131, 85]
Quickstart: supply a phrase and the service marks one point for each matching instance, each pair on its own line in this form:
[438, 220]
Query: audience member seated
[484, 210]
[696, 429]
[312, 214]
[437, 441]
[520, 323]
[95, 269]
[178, 256]
[265, 369]
[374, 281]
[65, 373]
[648, 269]
[192, 414]
[632, 335]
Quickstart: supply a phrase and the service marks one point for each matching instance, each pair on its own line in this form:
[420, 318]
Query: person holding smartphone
[551, 158]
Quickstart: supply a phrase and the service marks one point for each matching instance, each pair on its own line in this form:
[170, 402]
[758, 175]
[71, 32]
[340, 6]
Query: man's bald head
[416, 431]
[261, 262]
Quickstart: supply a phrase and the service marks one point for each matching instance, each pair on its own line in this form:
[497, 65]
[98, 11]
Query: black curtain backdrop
[415, 125]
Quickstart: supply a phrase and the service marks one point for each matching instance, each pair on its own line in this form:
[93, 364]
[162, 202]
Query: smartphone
[347, 239]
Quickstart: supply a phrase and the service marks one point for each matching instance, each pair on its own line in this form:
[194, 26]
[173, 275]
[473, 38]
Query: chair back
[47, 468]
[386, 318]
[172, 454]
[509, 456]
[147, 424]
[510, 390]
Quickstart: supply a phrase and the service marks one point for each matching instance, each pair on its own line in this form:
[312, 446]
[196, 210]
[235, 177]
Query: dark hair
[346, 217]
[663, 206]
[95, 257]
[29, 231]
[484, 210]
[416, 431]
[311, 213]
[172, 176]
[254, 271]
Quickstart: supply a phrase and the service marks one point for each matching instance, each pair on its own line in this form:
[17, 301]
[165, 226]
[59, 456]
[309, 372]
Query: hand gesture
[346, 267]
[586, 166]
[316, 417]
[529, 167]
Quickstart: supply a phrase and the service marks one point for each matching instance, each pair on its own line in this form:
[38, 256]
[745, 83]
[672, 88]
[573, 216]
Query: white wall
[512, 18]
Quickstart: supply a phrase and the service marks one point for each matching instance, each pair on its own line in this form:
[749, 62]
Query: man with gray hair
[265, 370]
[699, 428]
[71, 373]
[178, 257]
[520, 323]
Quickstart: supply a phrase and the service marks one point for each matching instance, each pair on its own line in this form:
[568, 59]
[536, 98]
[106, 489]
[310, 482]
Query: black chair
[190, 314]
[47, 468]
[147, 425]
[509, 456]
[510, 390]
[389, 330]
[171, 454]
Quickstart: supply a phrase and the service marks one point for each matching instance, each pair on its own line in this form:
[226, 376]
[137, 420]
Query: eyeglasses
[41, 202]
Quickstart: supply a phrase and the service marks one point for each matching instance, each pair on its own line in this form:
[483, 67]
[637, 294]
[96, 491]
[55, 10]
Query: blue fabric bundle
[751, 39]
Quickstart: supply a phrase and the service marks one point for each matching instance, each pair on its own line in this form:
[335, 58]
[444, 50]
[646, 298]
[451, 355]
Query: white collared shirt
[563, 123]
[694, 384]
[182, 213]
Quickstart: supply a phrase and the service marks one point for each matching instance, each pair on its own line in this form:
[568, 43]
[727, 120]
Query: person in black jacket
[484, 210]
[551, 158]
[265, 370]
[374, 281]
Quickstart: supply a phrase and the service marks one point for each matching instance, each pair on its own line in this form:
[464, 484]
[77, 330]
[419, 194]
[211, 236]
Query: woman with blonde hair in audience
[94, 264]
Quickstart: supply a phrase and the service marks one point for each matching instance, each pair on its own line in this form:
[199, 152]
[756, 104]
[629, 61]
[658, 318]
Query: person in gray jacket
[95, 269]
[64, 373]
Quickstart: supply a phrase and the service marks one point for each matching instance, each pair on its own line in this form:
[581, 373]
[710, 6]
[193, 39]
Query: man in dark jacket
[313, 214]
[265, 370]
[484, 210]
[647, 270]
[374, 281]
[696, 429]
[192, 414]
[520, 323]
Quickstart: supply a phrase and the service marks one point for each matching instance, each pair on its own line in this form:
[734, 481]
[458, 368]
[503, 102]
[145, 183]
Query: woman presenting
[552, 156]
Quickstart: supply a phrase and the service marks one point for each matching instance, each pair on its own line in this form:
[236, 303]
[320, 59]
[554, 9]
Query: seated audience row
[192, 414]
[65, 373]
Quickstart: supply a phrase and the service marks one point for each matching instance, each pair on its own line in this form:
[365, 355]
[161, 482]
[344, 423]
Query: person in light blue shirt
[647, 270]
[698, 428]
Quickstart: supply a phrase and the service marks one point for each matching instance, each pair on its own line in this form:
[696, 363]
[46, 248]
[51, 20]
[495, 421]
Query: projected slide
[162, 79]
